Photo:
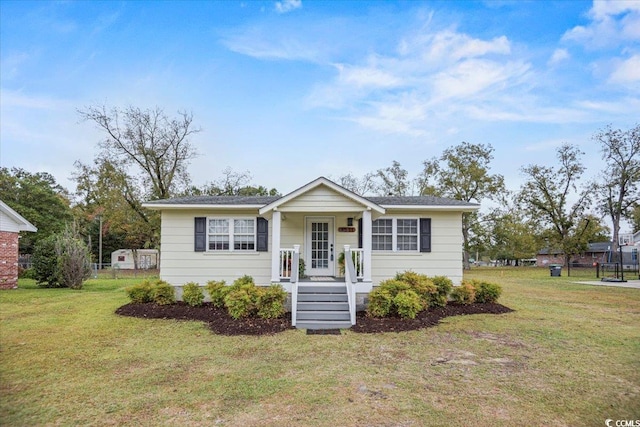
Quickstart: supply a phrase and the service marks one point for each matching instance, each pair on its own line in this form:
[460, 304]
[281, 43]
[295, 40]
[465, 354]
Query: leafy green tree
[462, 173]
[231, 183]
[552, 196]
[39, 199]
[635, 218]
[45, 263]
[392, 181]
[618, 187]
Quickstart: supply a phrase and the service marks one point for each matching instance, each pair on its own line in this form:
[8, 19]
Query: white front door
[319, 247]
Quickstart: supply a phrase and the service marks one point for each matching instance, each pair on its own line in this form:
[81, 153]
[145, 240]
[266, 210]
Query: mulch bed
[221, 323]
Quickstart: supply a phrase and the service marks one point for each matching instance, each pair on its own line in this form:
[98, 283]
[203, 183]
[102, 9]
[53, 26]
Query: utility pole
[100, 245]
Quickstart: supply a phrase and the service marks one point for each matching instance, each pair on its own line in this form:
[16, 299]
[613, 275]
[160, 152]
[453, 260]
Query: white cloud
[285, 6]
[559, 55]
[627, 71]
[366, 76]
[612, 23]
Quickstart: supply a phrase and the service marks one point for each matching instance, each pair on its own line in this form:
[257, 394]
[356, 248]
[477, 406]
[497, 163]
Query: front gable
[322, 195]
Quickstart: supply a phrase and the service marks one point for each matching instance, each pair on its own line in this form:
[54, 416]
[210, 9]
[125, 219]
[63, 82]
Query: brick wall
[8, 260]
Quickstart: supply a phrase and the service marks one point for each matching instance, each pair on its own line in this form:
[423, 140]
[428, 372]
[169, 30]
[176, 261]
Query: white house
[124, 259]
[11, 224]
[224, 237]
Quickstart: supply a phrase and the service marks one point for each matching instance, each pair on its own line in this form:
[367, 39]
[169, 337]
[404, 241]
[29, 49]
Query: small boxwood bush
[487, 292]
[465, 293]
[163, 293]
[241, 302]
[380, 302]
[192, 294]
[217, 291]
[444, 286]
[271, 302]
[421, 285]
[140, 293]
[408, 304]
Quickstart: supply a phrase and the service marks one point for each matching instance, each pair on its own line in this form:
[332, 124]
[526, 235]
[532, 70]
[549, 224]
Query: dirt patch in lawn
[221, 323]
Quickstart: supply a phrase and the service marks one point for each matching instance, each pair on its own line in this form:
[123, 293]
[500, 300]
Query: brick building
[11, 224]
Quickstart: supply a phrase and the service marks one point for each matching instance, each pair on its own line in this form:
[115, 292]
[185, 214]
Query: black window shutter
[425, 234]
[360, 233]
[200, 234]
[262, 235]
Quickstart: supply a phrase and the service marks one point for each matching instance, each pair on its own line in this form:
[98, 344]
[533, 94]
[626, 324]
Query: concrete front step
[322, 289]
[324, 324]
[322, 306]
[322, 298]
[323, 315]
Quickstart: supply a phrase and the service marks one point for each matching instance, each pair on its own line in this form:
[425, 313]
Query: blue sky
[292, 90]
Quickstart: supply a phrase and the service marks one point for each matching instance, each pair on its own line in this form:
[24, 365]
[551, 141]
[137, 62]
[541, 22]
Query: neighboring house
[224, 237]
[11, 224]
[124, 259]
[598, 252]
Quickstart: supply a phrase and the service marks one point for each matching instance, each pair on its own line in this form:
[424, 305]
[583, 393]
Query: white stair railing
[295, 262]
[350, 278]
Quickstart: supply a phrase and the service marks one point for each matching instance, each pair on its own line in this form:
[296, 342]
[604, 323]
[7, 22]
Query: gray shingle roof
[418, 201]
[216, 200]
[265, 200]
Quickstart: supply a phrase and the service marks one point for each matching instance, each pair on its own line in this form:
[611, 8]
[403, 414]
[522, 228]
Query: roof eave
[182, 206]
[470, 208]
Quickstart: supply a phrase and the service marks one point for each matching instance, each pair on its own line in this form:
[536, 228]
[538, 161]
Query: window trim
[394, 235]
[231, 234]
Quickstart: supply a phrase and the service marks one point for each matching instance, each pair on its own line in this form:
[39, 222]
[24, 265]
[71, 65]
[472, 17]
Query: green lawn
[568, 356]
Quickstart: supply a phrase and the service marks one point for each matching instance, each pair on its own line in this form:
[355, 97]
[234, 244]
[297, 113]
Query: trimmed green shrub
[271, 302]
[421, 285]
[163, 293]
[465, 293]
[192, 294]
[140, 293]
[380, 302]
[444, 286]
[487, 292]
[408, 304]
[244, 280]
[45, 263]
[239, 302]
[217, 292]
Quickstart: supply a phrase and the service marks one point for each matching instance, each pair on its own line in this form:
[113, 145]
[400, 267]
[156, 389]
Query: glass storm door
[319, 247]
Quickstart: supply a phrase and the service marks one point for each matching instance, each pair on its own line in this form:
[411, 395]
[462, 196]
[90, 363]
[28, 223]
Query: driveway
[628, 284]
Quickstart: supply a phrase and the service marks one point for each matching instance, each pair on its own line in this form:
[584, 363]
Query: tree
[618, 188]
[394, 181]
[74, 259]
[635, 218]
[153, 148]
[104, 190]
[360, 186]
[547, 196]
[513, 236]
[39, 199]
[462, 173]
[45, 263]
[231, 183]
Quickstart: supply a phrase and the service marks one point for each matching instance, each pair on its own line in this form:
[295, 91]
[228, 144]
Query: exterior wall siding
[445, 258]
[180, 264]
[321, 199]
[8, 259]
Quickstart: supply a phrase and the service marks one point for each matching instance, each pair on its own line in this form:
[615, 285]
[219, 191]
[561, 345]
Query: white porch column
[275, 246]
[366, 244]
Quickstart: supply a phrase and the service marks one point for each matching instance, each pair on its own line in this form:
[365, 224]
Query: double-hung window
[394, 234]
[232, 234]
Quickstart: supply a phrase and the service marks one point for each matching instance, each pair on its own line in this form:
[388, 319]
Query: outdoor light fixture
[349, 222]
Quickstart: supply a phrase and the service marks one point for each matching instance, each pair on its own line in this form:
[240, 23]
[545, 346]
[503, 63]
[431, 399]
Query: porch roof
[322, 181]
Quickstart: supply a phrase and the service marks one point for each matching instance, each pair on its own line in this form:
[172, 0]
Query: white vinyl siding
[321, 200]
[394, 234]
[231, 234]
[445, 259]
